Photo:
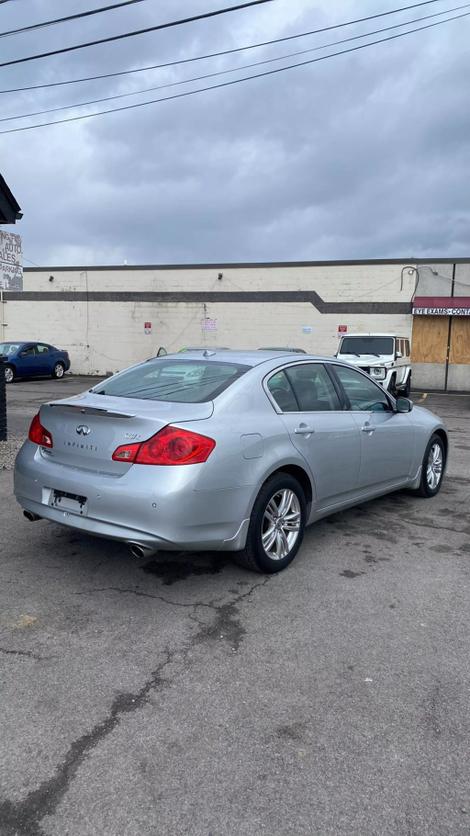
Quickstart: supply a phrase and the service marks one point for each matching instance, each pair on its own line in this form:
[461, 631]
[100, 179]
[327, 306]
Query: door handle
[304, 430]
[368, 429]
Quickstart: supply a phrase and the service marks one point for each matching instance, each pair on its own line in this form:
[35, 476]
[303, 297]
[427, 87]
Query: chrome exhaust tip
[30, 516]
[138, 551]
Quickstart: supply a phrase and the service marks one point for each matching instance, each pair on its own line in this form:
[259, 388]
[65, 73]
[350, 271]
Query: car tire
[9, 373]
[405, 392]
[266, 525]
[432, 471]
[58, 371]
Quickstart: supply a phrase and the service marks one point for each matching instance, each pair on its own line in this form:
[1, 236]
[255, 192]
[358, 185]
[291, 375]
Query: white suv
[385, 357]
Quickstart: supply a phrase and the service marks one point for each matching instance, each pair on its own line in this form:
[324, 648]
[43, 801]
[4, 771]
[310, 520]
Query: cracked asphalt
[184, 695]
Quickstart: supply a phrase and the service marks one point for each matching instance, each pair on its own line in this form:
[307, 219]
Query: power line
[56, 20]
[217, 54]
[231, 70]
[132, 34]
[234, 81]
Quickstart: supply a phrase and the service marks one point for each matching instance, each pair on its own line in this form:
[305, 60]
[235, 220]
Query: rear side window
[304, 388]
[313, 388]
[177, 381]
[282, 392]
[42, 349]
[407, 348]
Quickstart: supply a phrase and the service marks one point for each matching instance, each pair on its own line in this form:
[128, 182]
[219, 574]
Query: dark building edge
[220, 265]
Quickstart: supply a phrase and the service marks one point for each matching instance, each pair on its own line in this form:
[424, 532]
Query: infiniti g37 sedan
[237, 452]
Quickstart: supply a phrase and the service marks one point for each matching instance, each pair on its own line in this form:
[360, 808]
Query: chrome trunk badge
[83, 429]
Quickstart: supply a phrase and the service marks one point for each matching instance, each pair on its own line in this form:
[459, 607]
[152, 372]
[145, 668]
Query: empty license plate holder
[71, 503]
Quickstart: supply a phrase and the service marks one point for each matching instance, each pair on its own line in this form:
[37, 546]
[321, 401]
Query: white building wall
[107, 334]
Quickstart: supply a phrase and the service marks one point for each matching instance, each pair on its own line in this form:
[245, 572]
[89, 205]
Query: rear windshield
[367, 345]
[177, 381]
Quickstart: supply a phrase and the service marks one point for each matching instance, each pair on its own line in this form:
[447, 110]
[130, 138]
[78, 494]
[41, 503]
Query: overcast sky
[365, 155]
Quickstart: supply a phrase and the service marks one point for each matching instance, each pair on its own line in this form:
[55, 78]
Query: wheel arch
[440, 431]
[299, 473]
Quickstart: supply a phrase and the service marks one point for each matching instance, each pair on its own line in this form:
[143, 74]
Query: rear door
[44, 358]
[387, 437]
[322, 431]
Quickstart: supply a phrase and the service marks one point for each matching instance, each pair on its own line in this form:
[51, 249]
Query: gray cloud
[364, 155]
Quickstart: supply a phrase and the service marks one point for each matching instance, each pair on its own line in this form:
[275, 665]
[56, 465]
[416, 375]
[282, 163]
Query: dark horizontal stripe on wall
[201, 297]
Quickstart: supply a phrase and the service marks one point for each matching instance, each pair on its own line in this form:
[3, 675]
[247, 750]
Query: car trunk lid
[87, 429]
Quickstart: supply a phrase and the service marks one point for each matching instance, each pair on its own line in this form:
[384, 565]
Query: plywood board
[460, 340]
[430, 335]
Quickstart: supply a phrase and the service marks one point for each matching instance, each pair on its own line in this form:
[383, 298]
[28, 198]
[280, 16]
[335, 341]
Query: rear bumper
[157, 507]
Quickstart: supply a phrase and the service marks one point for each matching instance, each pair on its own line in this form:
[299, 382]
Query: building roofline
[10, 209]
[218, 265]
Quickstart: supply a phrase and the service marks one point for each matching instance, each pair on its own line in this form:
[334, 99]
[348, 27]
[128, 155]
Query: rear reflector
[170, 446]
[38, 434]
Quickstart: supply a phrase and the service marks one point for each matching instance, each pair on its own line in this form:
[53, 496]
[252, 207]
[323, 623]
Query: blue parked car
[33, 360]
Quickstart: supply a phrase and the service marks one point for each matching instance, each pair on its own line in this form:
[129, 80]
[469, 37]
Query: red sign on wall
[148, 327]
[342, 329]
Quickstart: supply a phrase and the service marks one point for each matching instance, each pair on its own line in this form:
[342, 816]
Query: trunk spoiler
[92, 410]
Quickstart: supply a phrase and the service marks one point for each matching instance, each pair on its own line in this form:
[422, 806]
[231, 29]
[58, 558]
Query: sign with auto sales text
[11, 261]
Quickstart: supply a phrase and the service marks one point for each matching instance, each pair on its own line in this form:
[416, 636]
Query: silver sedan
[230, 451]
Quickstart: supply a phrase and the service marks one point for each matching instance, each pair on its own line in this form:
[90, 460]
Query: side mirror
[398, 355]
[404, 405]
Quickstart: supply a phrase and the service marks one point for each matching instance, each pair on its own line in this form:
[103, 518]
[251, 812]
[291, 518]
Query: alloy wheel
[434, 466]
[8, 375]
[281, 524]
[59, 370]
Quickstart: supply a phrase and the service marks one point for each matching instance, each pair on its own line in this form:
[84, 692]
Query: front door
[387, 437]
[322, 431]
[29, 360]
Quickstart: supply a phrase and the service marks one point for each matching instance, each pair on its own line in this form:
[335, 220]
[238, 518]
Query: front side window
[362, 393]
[313, 388]
[28, 351]
[367, 345]
[177, 381]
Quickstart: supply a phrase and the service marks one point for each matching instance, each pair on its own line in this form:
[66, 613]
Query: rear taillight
[38, 434]
[170, 446]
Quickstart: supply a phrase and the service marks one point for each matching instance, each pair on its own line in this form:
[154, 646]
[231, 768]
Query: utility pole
[11, 276]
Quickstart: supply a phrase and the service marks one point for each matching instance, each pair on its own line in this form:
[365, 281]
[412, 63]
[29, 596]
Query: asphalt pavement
[184, 695]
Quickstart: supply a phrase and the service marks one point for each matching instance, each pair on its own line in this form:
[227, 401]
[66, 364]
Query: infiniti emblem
[82, 429]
